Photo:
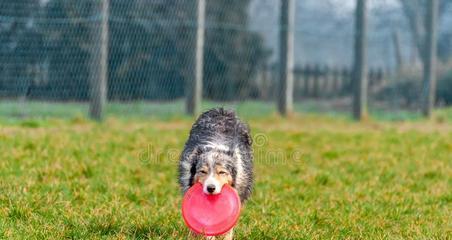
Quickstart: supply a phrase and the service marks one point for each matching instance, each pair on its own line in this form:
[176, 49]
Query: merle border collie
[217, 152]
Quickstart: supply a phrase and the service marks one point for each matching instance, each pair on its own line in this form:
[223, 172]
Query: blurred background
[159, 58]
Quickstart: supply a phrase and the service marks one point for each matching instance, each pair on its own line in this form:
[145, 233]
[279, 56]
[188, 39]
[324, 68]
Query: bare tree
[423, 16]
[415, 12]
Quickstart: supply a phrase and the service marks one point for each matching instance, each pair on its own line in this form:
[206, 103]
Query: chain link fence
[49, 48]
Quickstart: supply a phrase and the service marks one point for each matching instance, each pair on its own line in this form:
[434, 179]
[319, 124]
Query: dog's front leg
[194, 236]
[229, 235]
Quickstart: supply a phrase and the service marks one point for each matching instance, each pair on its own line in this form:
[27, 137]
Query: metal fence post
[286, 58]
[360, 85]
[99, 66]
[429, 88]
[194, 85]
[397, 50]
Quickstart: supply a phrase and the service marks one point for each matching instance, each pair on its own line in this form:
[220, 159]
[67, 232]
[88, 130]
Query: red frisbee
[210, 215]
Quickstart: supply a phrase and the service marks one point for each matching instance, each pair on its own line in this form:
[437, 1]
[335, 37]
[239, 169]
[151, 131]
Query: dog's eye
[203, 172]
[222, 172]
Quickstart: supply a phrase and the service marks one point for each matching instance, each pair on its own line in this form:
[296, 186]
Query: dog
[218, 152]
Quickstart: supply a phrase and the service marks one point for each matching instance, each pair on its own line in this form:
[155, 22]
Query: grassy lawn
[174, 110]
[316, 178]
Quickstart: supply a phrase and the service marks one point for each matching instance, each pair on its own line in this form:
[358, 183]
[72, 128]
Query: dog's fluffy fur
[218, 150]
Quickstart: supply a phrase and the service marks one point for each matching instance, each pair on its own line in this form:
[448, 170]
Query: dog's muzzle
[212, 186]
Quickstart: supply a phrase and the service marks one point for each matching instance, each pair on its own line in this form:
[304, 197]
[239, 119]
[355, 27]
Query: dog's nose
[211, 188]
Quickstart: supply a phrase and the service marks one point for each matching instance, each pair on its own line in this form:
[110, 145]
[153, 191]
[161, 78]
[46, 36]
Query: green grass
[316, 178]
[175, 110]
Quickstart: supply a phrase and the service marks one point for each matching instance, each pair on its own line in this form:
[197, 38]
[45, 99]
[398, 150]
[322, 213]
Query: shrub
[406, 89]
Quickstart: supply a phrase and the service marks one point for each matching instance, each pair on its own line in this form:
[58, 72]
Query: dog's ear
[244, 134]
[193, 159]
[232, 168]
[247, 138]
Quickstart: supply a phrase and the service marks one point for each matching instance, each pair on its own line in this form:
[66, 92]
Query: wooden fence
[317, 81]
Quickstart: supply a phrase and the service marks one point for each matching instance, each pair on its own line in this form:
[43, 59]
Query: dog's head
[213, 169]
